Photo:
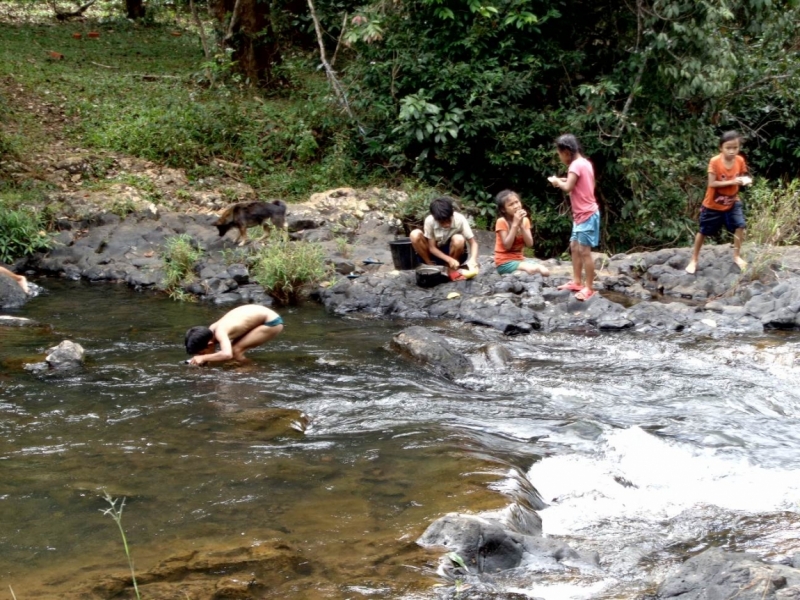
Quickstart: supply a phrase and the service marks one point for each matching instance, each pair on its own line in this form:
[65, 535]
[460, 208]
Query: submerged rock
[235, 572]
[487, 546]
[716, 573]
[433, 350]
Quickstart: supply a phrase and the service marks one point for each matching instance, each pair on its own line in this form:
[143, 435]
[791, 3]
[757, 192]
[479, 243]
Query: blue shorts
[274, 323]
[711, 221]
[588, 232]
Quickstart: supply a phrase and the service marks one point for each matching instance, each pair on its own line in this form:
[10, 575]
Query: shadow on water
[345, 452]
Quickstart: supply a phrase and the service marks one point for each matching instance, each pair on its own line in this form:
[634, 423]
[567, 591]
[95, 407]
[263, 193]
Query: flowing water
[645, 450]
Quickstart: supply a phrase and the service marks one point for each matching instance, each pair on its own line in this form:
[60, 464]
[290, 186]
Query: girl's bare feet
[740, 262]
[691, 267]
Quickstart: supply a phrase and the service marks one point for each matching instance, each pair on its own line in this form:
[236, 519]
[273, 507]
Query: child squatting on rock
[579, 184]
[444, 238]
[237, 331]
[513, 232]
[721, 204]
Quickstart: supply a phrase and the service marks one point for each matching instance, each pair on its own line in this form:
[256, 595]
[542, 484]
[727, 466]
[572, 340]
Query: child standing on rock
[721, 205]
[513, 231]
[579, 184]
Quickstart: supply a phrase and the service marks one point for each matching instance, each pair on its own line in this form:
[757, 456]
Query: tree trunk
[134, 8]
[249, 32]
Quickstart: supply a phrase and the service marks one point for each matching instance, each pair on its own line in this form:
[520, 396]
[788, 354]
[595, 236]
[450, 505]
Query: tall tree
[248, 30]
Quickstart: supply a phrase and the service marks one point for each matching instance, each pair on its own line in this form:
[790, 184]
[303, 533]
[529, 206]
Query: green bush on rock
[180, 256]
[285, 268]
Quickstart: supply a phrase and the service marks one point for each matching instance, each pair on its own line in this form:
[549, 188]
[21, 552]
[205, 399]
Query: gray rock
[11, 295]
[716, 574]
[9, 321]
[483, 544]
[66, 356]
[239, 274]
[487, 546]
[433, 350]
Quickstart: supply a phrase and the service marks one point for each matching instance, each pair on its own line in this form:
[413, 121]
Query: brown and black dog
[250, 214]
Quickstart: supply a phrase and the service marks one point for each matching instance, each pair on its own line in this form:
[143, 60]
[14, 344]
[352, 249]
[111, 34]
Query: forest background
[463, 97]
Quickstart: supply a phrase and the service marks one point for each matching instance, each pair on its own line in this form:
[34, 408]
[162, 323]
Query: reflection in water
[644, 449]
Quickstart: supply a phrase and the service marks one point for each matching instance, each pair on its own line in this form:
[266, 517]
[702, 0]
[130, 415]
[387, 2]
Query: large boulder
[11, 295]
[717, 574]
[488, 546]
[433, 350]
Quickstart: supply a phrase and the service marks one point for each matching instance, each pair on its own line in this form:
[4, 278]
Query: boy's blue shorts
[711, 221]
[588, 232]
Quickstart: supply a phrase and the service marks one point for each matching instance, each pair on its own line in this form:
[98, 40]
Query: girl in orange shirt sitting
[513, 229]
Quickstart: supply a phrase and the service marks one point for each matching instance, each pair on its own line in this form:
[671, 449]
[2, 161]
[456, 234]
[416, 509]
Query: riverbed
[644, 449]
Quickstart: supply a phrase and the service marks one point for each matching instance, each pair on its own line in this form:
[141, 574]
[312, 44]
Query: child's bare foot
[691, 267]
[740, 262]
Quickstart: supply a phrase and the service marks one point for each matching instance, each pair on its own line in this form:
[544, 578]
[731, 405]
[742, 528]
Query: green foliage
[772, 213]
[22, 228]
[285, 268]
[180, 257]
[470, 94]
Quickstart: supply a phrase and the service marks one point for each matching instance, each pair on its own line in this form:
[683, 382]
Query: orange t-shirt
[501, 255]
[723, 198]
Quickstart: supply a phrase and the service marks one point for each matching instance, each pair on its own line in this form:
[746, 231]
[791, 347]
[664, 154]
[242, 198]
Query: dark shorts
[711, 221]
[446, 249]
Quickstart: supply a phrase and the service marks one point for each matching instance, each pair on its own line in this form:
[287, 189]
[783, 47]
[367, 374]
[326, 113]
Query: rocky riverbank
[646, 292]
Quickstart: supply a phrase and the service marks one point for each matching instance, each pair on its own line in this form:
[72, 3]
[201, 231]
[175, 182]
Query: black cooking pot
[430, 275]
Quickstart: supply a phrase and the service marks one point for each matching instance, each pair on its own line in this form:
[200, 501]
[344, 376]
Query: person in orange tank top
[513, 232]
[727, 172]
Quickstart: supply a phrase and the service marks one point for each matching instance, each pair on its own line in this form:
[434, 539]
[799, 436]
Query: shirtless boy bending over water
[238, 330]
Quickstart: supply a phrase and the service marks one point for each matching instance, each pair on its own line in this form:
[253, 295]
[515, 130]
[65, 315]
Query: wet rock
[719, 574]
[484, 545]
[269, 423]
[9, 321]
[487, 546]
[471, 588]
[11, 295]
[498, 356]
[226, 572]
[433, 350]
[66, 356]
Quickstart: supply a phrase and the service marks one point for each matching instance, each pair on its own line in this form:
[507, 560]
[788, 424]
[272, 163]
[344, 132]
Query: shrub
[285, 268]
[772, 213]
[180, 256]
[21, 232]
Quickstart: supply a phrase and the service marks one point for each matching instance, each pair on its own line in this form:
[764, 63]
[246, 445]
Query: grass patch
[772, 213]
[22, 224]
[135, 90]
[285, 268]
[180, 256]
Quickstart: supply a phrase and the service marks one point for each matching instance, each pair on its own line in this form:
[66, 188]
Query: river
[646, 450]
